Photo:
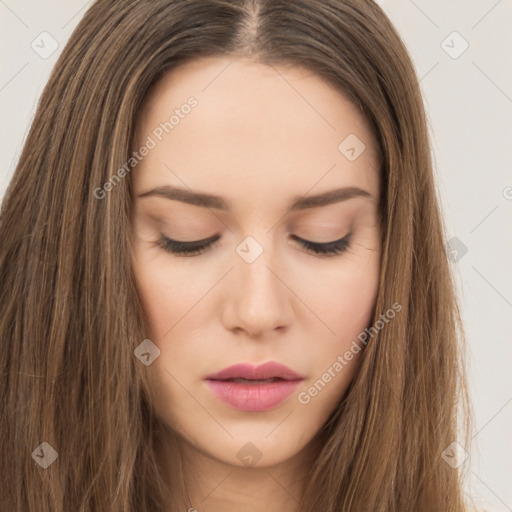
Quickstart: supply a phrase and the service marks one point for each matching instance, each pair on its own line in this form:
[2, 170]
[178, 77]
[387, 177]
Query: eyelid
[210, 239]
[186, 249]
[332, 242]
[326, 249]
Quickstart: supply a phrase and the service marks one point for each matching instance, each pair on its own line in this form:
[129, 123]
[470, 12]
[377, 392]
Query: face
[280, 267]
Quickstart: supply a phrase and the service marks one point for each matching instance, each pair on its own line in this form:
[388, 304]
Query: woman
[224, 277]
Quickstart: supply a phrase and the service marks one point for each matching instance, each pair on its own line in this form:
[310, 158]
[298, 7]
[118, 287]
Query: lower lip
[253, 397]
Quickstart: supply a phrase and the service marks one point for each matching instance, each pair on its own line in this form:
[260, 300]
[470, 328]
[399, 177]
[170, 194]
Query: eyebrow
[298, 203]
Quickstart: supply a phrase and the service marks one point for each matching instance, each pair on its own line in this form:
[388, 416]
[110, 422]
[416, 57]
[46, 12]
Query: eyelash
[188, 249]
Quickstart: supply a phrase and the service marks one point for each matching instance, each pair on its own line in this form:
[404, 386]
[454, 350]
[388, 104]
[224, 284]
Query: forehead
[253, 125]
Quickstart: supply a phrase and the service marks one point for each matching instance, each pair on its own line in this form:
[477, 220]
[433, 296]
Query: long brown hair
[71, 315]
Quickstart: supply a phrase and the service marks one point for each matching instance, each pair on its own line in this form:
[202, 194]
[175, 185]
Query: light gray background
[468, 101]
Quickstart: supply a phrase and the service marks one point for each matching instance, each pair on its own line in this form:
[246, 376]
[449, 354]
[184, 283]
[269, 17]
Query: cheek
[167, 293]
[345, 299]
[347, 304]
[345, 295]
[355, 301]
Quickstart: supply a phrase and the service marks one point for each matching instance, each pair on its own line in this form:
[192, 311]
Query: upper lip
[250, 371]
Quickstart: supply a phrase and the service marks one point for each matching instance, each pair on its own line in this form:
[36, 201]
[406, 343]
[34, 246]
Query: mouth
[251, 382]
[248, 371]
[254, 388]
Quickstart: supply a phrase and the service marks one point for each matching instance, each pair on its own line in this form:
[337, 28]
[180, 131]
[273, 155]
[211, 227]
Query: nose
[258, 300]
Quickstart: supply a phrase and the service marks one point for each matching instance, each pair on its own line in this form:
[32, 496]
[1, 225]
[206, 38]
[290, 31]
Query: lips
[254, 388]
[270, 370]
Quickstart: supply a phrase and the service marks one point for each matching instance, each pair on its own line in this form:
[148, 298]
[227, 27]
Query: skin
[259, 137]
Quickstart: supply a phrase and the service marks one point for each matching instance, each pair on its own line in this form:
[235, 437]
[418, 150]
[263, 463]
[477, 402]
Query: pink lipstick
[254, 388]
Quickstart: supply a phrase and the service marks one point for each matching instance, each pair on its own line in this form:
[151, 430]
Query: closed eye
[328, 248]
[198, 247]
